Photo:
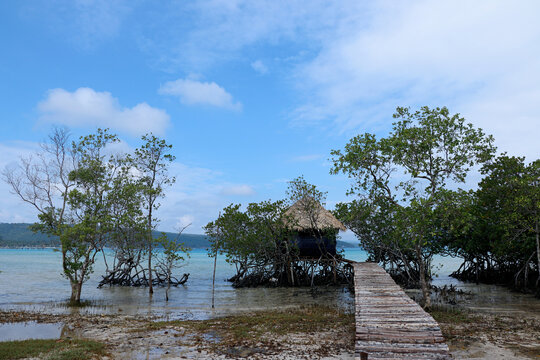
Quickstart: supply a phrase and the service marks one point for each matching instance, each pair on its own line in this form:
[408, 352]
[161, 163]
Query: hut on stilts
[314, 238]
[315, 228]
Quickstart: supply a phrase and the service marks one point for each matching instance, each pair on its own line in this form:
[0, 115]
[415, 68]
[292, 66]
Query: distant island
[19, 235]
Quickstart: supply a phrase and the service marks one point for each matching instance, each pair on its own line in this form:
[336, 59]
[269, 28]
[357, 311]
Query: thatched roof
[308, 214]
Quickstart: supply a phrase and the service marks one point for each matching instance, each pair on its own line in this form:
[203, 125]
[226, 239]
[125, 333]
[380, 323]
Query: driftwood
[127, 272]
[120, 278]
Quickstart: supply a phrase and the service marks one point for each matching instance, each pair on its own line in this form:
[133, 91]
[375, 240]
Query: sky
[252, 94]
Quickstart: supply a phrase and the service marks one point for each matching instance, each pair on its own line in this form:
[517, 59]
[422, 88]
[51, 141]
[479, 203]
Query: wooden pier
[389, 324]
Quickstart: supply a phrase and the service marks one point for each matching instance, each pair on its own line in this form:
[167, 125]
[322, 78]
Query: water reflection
[30, 330]
[31, 280]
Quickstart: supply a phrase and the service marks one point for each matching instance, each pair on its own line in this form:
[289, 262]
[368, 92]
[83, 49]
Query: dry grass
[325, 330]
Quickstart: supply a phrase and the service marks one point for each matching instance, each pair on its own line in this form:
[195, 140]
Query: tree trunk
[538, 252]
[168, 287]
[214, 275]
[76, 288]
[426, 294]
[150, 286]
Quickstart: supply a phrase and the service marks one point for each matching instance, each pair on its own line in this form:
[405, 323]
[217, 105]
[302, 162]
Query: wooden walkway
[389, 325]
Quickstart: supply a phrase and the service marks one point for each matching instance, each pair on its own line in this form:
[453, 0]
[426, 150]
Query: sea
[31, 280]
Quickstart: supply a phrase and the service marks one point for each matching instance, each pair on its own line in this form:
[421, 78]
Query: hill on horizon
[20, 235]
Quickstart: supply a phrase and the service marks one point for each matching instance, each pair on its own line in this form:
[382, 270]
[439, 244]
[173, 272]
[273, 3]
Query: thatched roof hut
[315, 226]
[307, 214]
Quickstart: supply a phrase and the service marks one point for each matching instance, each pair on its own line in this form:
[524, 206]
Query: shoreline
[114, 313]
[311, 334]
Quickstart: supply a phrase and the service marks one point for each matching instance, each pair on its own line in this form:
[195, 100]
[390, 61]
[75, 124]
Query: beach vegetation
[53, 349]
[267, 329]
[174, 254]
[401, 185]
[264, 245]
[151, 161]
[90, 196]
[496, 228]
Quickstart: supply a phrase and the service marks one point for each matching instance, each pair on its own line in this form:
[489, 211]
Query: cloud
[259, 67]
[193, 92]
[185, 221]
[479, 58]
[12, 209]
[87, 107]
[355, 61]
[85, 23]
[195, 198]
[221, 29]
[238, 190]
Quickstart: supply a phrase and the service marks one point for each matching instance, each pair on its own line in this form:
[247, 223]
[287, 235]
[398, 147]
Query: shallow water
[30, 330]
[30, 279]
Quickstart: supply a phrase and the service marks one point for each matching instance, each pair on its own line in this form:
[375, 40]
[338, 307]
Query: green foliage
[173, 250]
[401, 182]
[497, 231]
[249, 239]
[18, 235]
[299, 189]
[91, 202]
[261, 241]
[88, 198]
[152, 160]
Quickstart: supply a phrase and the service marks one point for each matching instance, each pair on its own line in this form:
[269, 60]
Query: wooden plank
[389, 325]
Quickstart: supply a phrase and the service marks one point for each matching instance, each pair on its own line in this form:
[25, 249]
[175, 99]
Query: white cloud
[480, 58]
[12, 209]
[259, 67]
[185, 221]
[193, 92]
[119, 148]
[355, 61]
[85, 23]
[238, 190]
[222, 28]
[195, 198]
[87, 107]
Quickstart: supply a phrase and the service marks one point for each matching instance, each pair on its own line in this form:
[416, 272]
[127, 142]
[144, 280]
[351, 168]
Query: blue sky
[254, 93]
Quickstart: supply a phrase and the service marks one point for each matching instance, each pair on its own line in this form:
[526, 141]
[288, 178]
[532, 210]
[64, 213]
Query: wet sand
[488, 322]
[470, 334]
[129, 337]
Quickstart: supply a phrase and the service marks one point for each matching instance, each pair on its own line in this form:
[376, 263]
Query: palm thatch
[308, 214]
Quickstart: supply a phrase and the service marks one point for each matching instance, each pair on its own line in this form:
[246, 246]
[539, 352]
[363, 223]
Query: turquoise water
[30, 279]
